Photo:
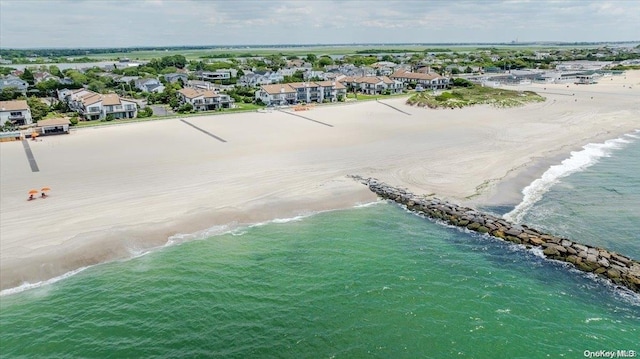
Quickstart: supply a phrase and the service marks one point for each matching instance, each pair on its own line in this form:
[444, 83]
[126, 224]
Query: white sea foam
[28, 286]
[578, 161]
[369, 204]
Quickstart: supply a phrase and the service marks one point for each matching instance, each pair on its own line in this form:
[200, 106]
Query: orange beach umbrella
[33, 191]
[46, 189]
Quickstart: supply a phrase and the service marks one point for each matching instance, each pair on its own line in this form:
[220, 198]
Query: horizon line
[282, 45]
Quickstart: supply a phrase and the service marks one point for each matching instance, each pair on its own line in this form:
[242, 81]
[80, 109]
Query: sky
[120, 23]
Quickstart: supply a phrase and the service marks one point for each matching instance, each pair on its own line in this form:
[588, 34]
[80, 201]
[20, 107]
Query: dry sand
[120, 190]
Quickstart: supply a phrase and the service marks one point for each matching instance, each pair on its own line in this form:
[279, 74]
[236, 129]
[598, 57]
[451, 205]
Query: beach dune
[120, 190]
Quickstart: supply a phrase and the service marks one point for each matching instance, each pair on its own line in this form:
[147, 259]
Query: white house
[296, 92]
[95, 106]
[372, 85]
[260, 78]
[205, 100]
[17, 112]
[429, 81]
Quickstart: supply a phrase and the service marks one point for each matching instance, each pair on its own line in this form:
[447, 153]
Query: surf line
[618, 269]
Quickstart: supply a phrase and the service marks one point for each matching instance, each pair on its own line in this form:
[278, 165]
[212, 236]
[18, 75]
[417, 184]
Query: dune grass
[459, 97]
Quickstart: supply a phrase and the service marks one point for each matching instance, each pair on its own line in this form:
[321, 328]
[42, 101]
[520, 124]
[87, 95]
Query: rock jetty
[618, 269]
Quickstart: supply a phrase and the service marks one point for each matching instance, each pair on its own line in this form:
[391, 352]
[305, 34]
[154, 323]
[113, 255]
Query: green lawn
[240, 107]
[363, 97]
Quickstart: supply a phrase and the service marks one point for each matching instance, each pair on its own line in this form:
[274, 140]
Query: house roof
[110, 99]
[367, 79]
[54, 122]
[414, 76]
[277, 88]
[90, 98]
[15, 105]
[193, 93]
[336, 84]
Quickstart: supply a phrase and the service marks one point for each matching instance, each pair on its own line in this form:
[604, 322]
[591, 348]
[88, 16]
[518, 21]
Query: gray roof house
[149, 85]
[15, 82]
[171, 78]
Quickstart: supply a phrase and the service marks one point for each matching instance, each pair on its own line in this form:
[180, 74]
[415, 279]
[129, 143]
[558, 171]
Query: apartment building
[204, 100]
[297, 92]
[94, 106]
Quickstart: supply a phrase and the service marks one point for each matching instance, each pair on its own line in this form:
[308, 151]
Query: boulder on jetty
[617, 268]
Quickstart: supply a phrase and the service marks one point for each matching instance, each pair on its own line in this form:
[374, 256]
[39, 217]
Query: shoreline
[126, 189]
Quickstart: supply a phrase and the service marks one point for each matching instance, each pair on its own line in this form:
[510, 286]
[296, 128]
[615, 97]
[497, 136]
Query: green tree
[97, 86]
[187, 107]
[5, 70]
[311, 58]
[55, 71]
[325, 61]
[9, 93]
[38, 108]
[46, 87]
[27, 76]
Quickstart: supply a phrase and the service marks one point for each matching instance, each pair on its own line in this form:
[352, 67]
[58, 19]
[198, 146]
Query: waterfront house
[204, 100]
[429, 81]
[372, 85]
[16, 112]
[94, 106]
[301, 92]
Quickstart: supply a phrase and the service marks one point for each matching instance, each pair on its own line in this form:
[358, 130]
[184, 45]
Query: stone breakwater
[617, 268]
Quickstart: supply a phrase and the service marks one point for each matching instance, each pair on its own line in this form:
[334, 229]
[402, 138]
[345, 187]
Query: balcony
[16, 117]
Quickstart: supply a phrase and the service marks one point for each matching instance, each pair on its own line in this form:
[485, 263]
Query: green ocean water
[370, 282]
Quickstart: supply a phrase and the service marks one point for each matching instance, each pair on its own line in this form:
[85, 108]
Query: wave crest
[578, 161]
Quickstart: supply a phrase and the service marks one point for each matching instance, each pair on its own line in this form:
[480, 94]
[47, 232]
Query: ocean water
[370, 282]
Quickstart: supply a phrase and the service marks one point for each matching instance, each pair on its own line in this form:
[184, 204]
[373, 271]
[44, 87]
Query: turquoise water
[599, 205]
[372, 282]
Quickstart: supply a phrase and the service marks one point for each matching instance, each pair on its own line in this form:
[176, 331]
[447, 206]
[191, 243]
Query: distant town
[56, 89]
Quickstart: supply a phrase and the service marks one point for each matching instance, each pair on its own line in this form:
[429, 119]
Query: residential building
[297, 92]
[200, 85]
[14, 82]
[218, 75]
[175, 77]
[17, 112]
[149, 85]
[429, 81]
[260, 78]
[40, 76]
[205, 100]
[94, 106]
[372, 85]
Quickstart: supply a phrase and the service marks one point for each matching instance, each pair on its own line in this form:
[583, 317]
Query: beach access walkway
[30, 158]
[203, 131]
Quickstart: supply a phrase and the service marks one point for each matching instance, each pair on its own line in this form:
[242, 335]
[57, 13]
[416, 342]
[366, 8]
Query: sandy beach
[120, 190]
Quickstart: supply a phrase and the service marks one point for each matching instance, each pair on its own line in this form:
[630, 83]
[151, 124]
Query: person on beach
[44, 195]
[31, 198]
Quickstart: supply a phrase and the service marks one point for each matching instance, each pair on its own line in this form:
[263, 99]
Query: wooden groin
[617, 268]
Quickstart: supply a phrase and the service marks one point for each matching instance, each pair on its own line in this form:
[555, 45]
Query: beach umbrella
[33, 191]
[46, 189]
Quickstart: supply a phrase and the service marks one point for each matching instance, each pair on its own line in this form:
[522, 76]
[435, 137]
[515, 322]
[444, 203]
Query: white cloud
[82, 23]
